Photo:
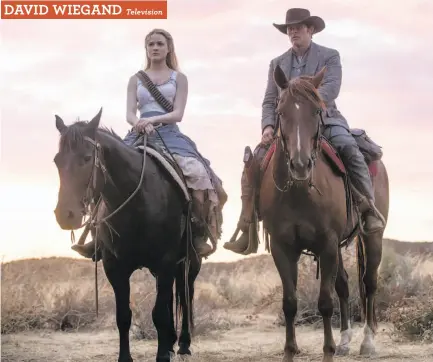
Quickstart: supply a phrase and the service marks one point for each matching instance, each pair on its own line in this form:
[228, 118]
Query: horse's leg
[342, 289]
[286, 260]
[118, 276]
[328, 269]
[172, 326]
[162, 314]
[373, 255]
[187, 309]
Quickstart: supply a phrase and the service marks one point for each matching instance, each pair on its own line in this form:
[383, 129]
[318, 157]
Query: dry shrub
[407, 295]
[58, 293]
[404, 296]
[237, 285]
[207, 318]
[308, 294]
[30, 301]
[413, 317]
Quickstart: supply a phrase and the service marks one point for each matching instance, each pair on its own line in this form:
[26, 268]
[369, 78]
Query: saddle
[166, 162]
[369, 149]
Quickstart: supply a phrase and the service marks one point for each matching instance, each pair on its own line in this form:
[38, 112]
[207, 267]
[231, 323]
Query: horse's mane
[304, 88]
[73, 136]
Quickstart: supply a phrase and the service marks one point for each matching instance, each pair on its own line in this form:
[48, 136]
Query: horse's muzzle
[68, 219]
[299, 170]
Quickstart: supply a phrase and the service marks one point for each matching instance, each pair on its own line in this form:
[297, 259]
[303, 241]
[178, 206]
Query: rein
[98, 164]
[88, 199]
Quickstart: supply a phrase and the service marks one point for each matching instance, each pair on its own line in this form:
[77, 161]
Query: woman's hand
[144, 124]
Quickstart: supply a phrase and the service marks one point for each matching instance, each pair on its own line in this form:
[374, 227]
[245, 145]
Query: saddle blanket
[171, 170]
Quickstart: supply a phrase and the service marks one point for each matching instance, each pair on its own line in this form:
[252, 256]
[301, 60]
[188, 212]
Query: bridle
[289, 182]
[98, 165]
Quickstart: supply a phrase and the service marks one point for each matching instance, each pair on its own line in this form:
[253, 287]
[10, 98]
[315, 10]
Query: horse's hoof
[367, 350]
[342, 350]
[184, 351]
[328, 358]
[127, 359]
[167, 358]
[182, 357]
[288, 358]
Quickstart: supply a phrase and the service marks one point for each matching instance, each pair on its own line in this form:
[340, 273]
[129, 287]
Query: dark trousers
[352, 158]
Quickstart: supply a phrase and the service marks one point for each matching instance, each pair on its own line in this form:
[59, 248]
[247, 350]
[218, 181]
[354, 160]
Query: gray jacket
[318, 57]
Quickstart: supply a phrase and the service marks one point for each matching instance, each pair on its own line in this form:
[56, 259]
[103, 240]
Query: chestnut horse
[149, 228]
[307, 210]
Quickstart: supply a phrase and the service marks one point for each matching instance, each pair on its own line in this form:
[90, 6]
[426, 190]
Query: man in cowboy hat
[307, 58]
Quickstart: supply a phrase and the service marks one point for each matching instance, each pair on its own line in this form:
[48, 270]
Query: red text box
[95, 9]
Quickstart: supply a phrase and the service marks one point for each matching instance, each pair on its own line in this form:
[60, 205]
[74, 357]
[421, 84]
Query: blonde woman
[207, 192]
[162, 68]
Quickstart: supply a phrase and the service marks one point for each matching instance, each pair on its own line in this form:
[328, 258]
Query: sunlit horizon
[37, 235]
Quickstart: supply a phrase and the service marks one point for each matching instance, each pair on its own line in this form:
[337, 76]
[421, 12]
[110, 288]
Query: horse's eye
[87, 158]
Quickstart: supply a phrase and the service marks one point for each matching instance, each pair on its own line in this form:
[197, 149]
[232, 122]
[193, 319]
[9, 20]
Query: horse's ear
[280, 78]
[94, 123]
[317, 79]
[60, 125]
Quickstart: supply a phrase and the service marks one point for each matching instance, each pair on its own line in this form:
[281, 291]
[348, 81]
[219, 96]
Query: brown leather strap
[164, 102]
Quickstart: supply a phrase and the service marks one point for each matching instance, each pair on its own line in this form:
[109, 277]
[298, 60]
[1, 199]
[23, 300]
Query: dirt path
[261, 341]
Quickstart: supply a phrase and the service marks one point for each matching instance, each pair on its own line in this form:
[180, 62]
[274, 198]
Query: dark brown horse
[151, 230]
[303, 207]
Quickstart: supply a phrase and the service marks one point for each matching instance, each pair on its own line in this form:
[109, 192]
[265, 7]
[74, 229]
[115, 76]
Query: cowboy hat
[301, 16]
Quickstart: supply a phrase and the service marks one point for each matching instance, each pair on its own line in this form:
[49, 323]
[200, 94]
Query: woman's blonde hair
[171, 58]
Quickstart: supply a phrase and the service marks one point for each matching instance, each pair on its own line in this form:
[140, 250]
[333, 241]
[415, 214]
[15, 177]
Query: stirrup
[253, 239]
[200, 223]
[377, 212]
[372, 212]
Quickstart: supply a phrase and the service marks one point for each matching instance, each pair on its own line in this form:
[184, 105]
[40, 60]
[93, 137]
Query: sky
[73, 67]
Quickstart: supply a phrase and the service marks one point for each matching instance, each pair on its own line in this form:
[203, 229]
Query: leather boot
[373, 219]
[87, 250]
[371, 216]
[247, 197]
[201, 246]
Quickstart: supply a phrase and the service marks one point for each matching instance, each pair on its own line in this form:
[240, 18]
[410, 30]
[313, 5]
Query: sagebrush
[59, 293]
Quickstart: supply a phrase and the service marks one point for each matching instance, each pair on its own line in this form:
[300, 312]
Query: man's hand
[144, 124]
[268, 134]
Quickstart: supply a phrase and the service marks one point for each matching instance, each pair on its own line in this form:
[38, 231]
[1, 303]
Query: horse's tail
[184, 300]
[186, 274]
[361, 273]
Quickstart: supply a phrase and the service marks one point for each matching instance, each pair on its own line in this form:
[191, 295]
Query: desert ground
[260, 341]
[48, 311]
